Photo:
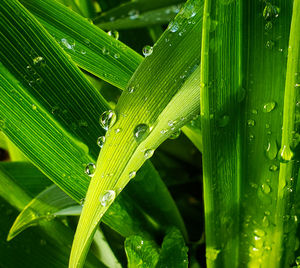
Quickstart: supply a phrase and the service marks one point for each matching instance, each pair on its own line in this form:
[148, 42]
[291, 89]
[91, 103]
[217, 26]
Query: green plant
[225, 72]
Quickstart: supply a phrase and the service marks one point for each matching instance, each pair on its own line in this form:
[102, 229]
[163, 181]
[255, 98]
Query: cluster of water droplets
[270, 15]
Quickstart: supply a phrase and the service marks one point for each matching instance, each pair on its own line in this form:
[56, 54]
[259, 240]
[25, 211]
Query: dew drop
[175, 135]
[266, 188]
[270, 44]
[107, 198]
[66, 43]
[33, 106]
[101, 141]
[114, 34]
[133, 14]
[82, 201]
[273, 168]
[132, 174]
[259, 232]
[105, 51]
[90, 169]
[270, 12]
[268, 26]
[148, 153]
[285, 154]
[173, 27]
[108, 119]
[131, 89]
[38, 60]
[251, 123]
[270, 106]
[140, 132]
[147, 50]
[272, 149]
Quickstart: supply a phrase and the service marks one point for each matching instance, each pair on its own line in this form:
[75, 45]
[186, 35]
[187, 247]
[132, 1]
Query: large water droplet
[108, 119]
[140, 132]
[285, 154]
[270, 106]
[107, 198]
[114, 34]
[67, 44]
[272, 149]
[147, 50]
[148, 153]
[101, 141]
[90, 169]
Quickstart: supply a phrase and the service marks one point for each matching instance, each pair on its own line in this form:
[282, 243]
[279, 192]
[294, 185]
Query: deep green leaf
[140, 252]
[174, 252]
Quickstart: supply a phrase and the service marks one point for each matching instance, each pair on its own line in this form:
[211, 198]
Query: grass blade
[169, 112]
[220, 86]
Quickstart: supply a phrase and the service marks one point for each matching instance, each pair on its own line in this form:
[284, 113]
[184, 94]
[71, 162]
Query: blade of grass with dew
[64, 26]
[39, 8]
[220, 86]
[56, 130]
[90, 47]
[148, 112]
[266, 29]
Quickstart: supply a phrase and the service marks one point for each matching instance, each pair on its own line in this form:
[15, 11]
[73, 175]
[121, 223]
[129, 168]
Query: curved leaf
[147, 113]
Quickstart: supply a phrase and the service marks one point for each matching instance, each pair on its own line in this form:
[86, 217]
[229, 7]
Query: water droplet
[118, 130]
[82, 201]
[268, 26]
[148, 153]
[273, 168]
[254, 111]
[101, 141]
[66, 43]
[133, 14]
[175, 135]
[90, 169]
[173, 27]
[266, 188]
[259, 232]
[33, 106]
[147, 50]
[105, 51]
[83, 52]
[270, 12]
[108, 119]
[285, 154]
[131, 89]
[223, 121]
[270, 106]
[114, 34]
[251, 123]
[107, 198]
[270, 44]
[140, 132]
[272, 149]
[117, 56]
[38, 60]
[132, 174]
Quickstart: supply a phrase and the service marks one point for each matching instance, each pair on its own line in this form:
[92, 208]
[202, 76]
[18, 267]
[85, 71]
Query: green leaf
[91, 48]
[174, 252]
[147, 113]
[140, 252]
